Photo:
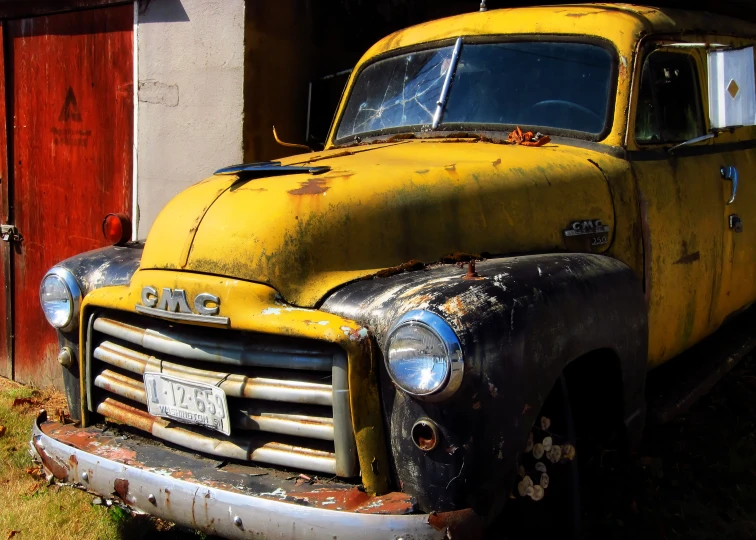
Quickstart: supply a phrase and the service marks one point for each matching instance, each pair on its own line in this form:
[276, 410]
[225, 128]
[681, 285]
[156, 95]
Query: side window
[669, 105]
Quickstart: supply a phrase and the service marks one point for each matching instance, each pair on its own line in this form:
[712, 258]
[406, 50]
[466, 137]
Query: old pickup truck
[517, 216]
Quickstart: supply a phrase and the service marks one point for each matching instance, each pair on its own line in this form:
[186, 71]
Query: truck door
[732, 102]
[681, 201]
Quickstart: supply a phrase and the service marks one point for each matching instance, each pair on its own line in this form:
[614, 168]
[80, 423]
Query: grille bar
[207, 350]
[233, 385]
[242, 448]
[288, 398]
[299, 425]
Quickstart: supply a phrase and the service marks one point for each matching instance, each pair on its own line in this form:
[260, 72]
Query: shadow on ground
[694, 478]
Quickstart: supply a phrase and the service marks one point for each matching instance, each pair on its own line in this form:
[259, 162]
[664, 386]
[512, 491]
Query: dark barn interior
[299, 52]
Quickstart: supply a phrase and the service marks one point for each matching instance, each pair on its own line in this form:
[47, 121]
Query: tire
[558, 513]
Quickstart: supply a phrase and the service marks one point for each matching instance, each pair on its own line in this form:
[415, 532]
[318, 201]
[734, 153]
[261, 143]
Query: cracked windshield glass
[496, 86]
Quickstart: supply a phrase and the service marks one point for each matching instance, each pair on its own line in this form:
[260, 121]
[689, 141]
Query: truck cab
[518, 214]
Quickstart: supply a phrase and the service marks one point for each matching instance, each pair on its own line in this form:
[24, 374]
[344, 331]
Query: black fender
[105, 267]
[521, 320]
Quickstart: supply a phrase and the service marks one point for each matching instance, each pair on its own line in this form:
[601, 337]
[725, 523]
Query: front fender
[105, 267]
[521, 320]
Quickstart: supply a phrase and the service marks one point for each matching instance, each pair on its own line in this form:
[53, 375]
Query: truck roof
[622, 24]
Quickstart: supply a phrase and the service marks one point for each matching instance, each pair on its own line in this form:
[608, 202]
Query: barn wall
[190, 96]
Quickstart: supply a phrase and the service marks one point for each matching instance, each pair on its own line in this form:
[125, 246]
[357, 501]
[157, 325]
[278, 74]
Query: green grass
[35, 510]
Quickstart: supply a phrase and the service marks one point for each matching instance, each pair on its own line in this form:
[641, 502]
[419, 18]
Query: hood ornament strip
[270, 168]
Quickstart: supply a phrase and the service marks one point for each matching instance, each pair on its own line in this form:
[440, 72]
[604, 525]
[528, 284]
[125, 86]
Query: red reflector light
[117, 228]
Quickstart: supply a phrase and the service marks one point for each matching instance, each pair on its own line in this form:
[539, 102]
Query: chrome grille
[288, 398]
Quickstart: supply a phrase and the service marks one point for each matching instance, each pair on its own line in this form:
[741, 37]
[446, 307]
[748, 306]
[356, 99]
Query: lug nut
[152, 499]
[425, 434]
[238, 521]
[85, 477]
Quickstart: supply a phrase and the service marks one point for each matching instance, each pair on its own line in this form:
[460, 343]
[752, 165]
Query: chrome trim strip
[88, 367]
[233, 384]
[185, 317]
[244, 447]
[218, 351]
[268, 518]
[344, 442]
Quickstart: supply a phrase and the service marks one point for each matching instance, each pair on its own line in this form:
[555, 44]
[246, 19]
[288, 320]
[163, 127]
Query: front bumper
[235, 502]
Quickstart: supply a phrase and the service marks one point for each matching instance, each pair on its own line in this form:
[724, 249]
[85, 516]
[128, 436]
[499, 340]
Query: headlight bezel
[74, 296]
[443, 331]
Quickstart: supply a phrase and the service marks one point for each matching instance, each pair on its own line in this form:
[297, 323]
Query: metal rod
[441, 103]
[233, 385]
[242, 448]
[298, 425]
[220, 351]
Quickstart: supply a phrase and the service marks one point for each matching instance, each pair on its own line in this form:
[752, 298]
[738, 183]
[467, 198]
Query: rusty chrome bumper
[192, 492]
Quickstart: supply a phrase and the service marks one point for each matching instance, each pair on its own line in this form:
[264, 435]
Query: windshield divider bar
[441, 103]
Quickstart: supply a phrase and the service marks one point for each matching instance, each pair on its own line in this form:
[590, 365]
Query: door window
[669, 106]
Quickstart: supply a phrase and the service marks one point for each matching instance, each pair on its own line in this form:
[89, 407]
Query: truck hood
[378, 208]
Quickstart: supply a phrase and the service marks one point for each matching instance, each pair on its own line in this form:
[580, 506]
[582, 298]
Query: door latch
[9, 233]
[730, 173]
[736, 224]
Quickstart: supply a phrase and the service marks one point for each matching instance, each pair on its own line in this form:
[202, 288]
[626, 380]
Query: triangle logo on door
[70, 110]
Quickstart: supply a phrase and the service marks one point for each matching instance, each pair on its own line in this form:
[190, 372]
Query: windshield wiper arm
[441, 103]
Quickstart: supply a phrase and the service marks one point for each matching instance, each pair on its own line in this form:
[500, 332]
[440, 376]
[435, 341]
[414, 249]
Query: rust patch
[354, 500]
[458, 524]
[58, 469]
[312, 186]
[409, 266]
[459, 257]
[182, 474]
[121, 487]
[687, 259]
[454, 306]
[89, 442]
[73, 460]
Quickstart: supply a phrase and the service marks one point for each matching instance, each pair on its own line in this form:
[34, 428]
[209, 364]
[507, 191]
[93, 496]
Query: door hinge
[9, 233]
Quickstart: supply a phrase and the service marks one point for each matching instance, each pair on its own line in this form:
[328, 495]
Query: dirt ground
[693, 479]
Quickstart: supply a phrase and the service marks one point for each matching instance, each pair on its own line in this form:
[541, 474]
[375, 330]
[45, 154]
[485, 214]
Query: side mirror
[732, 88]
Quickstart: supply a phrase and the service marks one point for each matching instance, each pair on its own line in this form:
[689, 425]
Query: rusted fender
[521, 320]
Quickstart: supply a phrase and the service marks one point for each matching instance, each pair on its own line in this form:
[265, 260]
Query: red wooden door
[6, 328]
[72, 102]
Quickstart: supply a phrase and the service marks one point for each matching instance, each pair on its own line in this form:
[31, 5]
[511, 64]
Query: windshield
[551, 86]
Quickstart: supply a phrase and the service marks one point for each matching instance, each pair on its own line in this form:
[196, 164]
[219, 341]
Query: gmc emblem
[173, 304]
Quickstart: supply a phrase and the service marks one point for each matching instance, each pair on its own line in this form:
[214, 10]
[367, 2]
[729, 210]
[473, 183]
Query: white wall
[189, 113]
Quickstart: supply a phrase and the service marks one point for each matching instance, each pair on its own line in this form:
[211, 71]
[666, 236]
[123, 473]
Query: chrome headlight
[60, 296]
[424, 356]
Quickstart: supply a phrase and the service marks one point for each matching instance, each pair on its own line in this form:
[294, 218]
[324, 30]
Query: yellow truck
[518, 214]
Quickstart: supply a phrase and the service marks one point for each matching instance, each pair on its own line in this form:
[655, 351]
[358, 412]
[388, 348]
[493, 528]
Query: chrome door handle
[731, 173]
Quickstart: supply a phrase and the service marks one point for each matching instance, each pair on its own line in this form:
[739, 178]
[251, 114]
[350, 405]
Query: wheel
[546, 496]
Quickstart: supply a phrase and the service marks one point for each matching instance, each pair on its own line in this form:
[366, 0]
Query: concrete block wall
[189, 111]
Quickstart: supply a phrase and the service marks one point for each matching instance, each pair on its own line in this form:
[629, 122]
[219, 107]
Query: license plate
[185, 401]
